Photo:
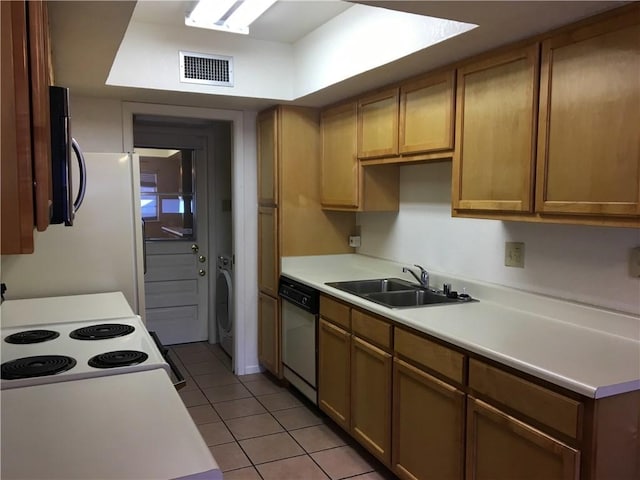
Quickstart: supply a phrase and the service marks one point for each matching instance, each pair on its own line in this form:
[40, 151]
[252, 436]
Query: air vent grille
[206, 69]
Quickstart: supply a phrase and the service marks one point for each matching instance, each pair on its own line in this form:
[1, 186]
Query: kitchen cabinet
[427, 107]
[268, 271]
[589, 141]
[26, 146]
[525, 425]
[371, 384]
[291, 221]
[499, 447]
[269, 333]
[346, 184]
[334, 372]
[568, 153]
[428, 413]
[267, 158]
[496, 112]
[378, 124]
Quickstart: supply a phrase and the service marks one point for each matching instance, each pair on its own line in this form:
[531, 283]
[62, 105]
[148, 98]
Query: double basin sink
[398, 293]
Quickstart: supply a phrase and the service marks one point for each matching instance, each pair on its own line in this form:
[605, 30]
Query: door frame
[244, 234]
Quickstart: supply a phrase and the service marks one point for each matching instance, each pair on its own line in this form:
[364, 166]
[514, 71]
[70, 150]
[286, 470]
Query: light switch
[634, 262]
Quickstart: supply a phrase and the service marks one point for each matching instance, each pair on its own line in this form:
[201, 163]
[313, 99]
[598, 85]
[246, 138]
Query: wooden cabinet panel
[428, 426]
[378, 124]
[336, 312]
[16, 166]
[269, 333]
[500, 447]
[268, 259]
[40, 116]
[334, 367]
[340, 182]
[589, 140]
[345, 183]
[268, 157]
[371, 398]
[550, 408]
[427, 114]
[496, 111]
[371, 328]
[430, 355]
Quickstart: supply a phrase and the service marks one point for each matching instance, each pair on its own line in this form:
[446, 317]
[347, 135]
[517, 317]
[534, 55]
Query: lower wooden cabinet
[269, 333]
[371, 398]
[428, 425]
[499, 447]
[334, 367]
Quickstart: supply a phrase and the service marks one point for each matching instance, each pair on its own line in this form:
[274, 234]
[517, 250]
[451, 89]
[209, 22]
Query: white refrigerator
[101, 252]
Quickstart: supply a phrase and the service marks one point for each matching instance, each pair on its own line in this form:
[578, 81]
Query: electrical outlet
[354, 241]
[514, 254]
[634, 262]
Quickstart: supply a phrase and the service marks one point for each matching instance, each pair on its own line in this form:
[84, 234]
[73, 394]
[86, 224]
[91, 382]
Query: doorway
[244, 231]
[184, 182]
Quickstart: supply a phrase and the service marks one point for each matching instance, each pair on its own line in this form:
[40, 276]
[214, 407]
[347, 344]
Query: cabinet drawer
[373, 329]
[429, 354]
[335, 311]
[550, 408]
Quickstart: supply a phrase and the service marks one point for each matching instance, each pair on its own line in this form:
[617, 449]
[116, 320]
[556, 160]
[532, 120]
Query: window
[148, 195]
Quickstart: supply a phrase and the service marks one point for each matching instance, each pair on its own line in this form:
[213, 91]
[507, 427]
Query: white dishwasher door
[299, 348]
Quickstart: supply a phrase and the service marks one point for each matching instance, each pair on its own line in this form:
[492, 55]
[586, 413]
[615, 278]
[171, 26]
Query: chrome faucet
[423, 279]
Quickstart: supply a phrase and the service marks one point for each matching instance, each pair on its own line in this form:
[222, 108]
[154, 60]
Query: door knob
[202, 272]
[202, 259]
[194, 248]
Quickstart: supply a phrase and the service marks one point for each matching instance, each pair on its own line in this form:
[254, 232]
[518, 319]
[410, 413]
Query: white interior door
[174, 187]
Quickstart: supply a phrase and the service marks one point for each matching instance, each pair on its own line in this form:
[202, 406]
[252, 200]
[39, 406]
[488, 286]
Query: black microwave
[63, 148]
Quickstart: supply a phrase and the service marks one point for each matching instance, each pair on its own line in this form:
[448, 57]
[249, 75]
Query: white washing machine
[224, 303]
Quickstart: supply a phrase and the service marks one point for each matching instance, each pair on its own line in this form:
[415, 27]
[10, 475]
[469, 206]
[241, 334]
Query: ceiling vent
[206, 69]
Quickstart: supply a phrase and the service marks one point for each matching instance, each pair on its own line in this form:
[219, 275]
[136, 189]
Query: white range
[89, 396]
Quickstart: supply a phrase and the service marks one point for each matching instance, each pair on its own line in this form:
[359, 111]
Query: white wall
[149, 58]
[581, 263]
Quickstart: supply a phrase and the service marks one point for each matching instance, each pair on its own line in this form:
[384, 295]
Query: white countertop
[132, 426]
[591, 351]
[69, 308]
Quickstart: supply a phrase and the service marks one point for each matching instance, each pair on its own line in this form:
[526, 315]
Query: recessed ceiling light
[232, 16]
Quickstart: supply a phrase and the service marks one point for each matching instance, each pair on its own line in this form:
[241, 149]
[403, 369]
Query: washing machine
[224, 303]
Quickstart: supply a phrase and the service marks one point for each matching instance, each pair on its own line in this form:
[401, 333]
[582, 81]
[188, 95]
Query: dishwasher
[300, 308]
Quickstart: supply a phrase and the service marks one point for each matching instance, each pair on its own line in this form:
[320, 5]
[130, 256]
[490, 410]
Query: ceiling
[86, 36]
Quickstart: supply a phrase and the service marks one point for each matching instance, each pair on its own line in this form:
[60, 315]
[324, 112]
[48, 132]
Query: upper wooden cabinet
[427, 114]
[26, 145]
[345, 183]
[496, 112]
[378, 124]
[268, 158]
[589, 135]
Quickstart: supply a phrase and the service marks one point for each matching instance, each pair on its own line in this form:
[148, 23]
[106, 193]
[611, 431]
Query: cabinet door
[268, 260]
[269, 333]
[340, 169]
[16, 166]
[589, 140]
[371, 398]
[496, 112]
[378, 125]
[334, 365]
[499, 447]
[426, 114]
[268, 157]
[40, 124]
[428, 425]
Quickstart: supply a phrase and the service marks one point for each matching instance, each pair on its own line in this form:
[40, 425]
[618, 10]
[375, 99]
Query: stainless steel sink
[411, 298]
[363, 287]
[397, 293]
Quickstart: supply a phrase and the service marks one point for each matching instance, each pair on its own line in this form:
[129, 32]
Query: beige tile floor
[256, 429]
